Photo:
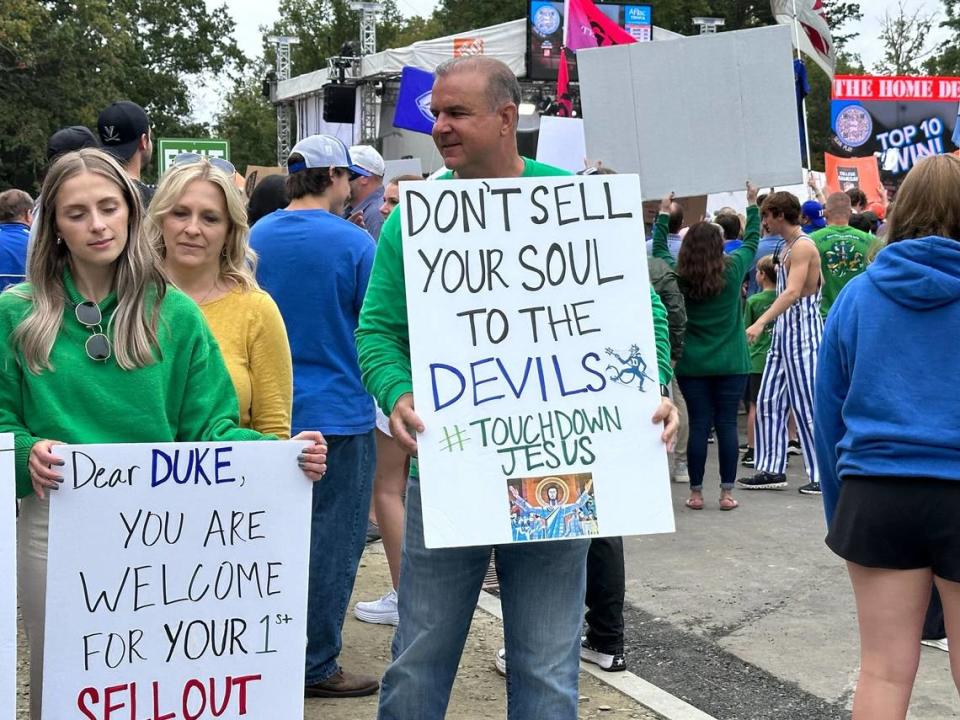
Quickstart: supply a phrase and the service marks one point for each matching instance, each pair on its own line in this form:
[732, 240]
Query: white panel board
[8, 589]
[695, 116]
[561, 143]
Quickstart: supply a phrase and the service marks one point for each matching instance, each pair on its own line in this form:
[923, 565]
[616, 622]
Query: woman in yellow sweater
[198, 224]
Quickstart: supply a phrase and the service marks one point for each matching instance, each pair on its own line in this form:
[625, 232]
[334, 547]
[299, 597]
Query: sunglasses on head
[98, 344]
[192, 158]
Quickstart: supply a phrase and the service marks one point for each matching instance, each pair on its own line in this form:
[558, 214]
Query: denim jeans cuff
[326, 671]
[727, 486]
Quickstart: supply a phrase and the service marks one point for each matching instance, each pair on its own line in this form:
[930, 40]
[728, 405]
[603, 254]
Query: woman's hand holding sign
[668, 414]
[403, 419]
[313, 458]
[40, 464]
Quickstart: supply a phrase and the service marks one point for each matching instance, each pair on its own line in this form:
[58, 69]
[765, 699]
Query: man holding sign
[475, 103]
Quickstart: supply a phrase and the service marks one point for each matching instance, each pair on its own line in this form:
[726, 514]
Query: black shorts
[899, 524]
[753, 387]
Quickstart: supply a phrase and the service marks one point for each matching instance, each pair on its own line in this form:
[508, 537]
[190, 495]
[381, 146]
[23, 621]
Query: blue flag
[803, 89]
[413, 102]
[956, 130]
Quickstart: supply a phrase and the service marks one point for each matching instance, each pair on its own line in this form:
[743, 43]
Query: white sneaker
[680, 473]
[500, 661]
[382, 611]
[940, 644]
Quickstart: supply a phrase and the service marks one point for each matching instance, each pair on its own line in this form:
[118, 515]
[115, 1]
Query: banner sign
[413, 101]
[853, 173]
[534, 361]
[177, 582]
[169, 148]
[8, 595]
[899, 119]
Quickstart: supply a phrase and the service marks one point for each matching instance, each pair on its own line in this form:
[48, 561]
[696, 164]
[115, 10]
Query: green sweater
[383, 340]
[186, 395]
[757, 305]
[716, 342]
[844, 253]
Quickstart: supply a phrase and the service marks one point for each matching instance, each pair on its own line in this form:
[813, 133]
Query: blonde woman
[198, 224]
[98, 350]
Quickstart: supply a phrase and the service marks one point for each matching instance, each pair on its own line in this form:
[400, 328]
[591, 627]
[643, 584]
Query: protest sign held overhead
[631, 113]
[8, 595]
[534, 362]
[190, 599]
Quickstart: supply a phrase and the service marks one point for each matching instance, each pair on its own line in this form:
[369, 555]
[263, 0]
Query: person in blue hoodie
[16, 216]
[888, 438]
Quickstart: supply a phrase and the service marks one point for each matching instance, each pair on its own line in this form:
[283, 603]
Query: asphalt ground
[747, 615]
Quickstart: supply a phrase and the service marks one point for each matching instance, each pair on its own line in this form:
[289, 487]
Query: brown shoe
[343, 684]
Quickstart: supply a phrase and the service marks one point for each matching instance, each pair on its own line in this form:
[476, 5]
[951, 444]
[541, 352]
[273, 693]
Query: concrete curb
[650, 696]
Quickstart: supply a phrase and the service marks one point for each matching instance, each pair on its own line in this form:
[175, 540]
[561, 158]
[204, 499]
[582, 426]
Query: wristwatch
[664, 390]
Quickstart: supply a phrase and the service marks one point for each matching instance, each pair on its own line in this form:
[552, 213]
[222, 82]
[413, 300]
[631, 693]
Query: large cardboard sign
[8, 592]
[177, 582]
[534, 362]
[901, 119]
[849, 173]
[731, 119]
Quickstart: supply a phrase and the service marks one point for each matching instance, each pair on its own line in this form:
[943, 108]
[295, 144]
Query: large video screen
[899, 119]
[545, 33]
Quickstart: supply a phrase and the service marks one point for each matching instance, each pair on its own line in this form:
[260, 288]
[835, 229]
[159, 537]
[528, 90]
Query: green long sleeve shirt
[716, 341]
[383, 340]
[185, 395]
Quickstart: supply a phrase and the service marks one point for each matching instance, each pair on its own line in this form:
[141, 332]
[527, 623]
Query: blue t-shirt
[767, 246]
[316, 266]
[14, 238]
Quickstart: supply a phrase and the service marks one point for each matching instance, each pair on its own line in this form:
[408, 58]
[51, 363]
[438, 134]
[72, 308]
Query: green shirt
[383, 340]
[716, 342]
[757, 305]
[186, 395]
[844, 253]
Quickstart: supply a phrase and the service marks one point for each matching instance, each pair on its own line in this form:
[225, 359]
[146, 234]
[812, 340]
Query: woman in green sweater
[713, 371]
[97, 349]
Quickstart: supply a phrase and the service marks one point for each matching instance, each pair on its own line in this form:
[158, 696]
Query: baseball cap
[369, 159]
[323, 151]
[814, 210]
[68, 139]
[121, 124]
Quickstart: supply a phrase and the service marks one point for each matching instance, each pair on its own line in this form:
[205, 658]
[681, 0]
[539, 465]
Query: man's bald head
[838, 209]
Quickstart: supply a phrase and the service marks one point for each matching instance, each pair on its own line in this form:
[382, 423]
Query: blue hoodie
[885, 403]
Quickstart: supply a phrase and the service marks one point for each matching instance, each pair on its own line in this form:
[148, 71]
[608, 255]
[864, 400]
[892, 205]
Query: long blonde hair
[238, 261]
[137, 273]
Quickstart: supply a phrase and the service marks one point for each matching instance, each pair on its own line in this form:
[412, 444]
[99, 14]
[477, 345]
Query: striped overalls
[788, 380]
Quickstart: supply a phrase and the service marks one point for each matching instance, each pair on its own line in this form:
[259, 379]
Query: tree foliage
[946, 60]
[61, 62]
[249, 122]
[906, 44]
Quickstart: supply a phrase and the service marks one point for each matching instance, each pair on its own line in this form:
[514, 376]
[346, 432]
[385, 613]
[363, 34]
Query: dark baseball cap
[68, 139]
[121, 126]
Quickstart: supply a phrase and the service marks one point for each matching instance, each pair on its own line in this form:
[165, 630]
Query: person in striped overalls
[792, 362]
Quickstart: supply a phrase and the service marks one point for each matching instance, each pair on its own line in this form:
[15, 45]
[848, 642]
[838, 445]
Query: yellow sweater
[253, 341]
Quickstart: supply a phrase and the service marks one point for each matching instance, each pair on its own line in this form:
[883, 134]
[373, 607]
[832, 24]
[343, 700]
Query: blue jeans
[542, 587]
[341, 503]
[712, 400]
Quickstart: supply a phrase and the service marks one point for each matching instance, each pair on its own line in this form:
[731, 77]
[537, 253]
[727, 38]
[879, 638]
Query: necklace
[213, 287]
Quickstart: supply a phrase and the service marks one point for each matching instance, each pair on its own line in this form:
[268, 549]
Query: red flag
[563, 86]
[588, 27]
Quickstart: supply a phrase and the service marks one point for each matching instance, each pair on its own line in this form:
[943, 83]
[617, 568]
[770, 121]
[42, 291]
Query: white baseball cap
[369, 159]
[323, 151]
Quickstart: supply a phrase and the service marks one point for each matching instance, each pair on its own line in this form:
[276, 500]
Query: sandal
[728, 503]
[695, 502]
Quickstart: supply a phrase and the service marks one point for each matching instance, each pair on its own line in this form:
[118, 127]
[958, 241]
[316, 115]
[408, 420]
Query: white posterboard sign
[561, 143]
[534, 361]
[177, 582]
[8, 595]
[406, 166]
[696, 115]
[737, 199]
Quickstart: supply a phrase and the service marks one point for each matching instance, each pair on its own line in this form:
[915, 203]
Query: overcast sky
[251, 14]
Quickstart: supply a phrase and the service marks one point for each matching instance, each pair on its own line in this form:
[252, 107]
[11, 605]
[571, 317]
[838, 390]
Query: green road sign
[169, 148]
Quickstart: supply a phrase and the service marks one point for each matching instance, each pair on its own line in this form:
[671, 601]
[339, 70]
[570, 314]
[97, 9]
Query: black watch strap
[664, 390]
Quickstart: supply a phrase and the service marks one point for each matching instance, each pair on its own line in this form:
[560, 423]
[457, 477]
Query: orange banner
[846, 173]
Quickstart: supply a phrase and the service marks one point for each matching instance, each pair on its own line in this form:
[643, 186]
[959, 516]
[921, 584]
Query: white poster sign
[8, 593]
[405, 166]
[561, 143]
[177, 582]
[534, 362]
[697, 115]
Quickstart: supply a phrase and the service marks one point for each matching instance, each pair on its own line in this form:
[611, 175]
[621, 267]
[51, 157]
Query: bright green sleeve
[12, 311]
[660, 247]
[743, 256]
[661, 334]
[383, 340]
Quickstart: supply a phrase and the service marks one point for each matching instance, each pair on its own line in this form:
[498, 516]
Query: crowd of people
[188, 311]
